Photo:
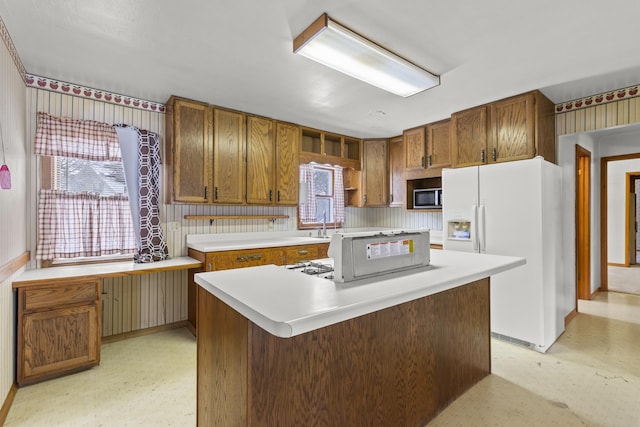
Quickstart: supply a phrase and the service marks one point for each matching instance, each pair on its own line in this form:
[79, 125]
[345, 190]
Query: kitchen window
[321, 196]
[83, 206]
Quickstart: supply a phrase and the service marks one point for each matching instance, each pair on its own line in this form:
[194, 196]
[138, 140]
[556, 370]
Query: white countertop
[236, 241]
[287, 303]
[106, 269]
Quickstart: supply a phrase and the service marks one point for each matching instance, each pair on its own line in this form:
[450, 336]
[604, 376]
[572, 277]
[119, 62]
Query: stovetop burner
[313, 268]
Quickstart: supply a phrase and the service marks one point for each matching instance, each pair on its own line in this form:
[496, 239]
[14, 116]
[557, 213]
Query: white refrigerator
[512, 208]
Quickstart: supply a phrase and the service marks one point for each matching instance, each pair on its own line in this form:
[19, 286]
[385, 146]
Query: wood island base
[399, 366]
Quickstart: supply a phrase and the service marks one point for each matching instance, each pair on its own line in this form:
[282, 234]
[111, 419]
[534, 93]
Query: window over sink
[321, 196]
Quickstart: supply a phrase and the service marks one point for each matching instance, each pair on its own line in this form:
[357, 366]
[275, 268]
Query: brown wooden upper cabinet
[520, 127]
[205, 153]
[428, 147]
[287, 170]
[228, 157]
[261, 154]
[397, 186]
[469, 136]
[188, 151]
[375, 172]
[438, 144]
[415, 148]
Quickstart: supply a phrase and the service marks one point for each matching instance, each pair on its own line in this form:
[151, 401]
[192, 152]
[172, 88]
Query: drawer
[52, 296]
[238, 259]
[301, 253]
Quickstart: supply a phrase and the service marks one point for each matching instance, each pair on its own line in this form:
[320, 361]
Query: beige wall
[13, 205]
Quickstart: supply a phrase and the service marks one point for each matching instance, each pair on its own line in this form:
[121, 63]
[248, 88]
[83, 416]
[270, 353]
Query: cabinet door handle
[422, 161]
[430, 160]
[482, 156]
[206, 192]
[271, 195]
[365, 199]
[495, 154]
[303, 252]
[242, 258]
[256, 257]
[215, 193]
[278, 195]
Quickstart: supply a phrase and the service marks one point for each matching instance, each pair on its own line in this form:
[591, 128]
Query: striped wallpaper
[13, 205]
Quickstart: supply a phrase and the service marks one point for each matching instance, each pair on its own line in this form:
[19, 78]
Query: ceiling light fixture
[331, 44]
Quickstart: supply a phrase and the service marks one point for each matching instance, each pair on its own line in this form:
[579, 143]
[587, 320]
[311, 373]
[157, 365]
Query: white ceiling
[238, 53]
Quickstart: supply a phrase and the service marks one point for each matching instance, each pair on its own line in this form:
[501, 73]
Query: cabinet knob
[365, 199]
[430, 160]
[271, 195]
[482, 156]
[422, 161]
[495, 154]
[278, 195]
[206, 192]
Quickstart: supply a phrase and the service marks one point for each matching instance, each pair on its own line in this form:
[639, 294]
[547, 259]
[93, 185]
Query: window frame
[318, 225]
[47, 182]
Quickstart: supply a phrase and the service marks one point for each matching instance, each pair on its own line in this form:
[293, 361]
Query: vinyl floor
[589, 377]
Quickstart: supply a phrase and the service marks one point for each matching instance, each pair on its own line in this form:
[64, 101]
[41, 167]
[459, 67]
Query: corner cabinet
[188, 151]
[58, 329]
[375, 172]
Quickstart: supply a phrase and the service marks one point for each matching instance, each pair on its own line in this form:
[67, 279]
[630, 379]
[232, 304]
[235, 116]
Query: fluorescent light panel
[331, 44]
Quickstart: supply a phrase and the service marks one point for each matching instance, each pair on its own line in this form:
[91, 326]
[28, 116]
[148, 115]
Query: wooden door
[469, 137]
[190, 150]
[228, 157]
[414, 148]
[583, 223]
[512, 129]
[439, 145]
[375, 172]
[260, 160]
[397, 185]
[287, 170]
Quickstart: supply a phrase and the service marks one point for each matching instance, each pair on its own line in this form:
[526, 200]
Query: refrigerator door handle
[482, 228]
[474, 233]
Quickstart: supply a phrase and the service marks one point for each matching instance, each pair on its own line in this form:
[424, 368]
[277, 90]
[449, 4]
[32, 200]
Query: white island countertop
[286, 303]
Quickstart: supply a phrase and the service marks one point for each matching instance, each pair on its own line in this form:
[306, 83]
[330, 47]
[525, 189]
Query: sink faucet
[324, 223]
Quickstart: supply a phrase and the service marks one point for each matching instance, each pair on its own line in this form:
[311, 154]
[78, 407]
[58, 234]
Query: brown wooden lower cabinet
[225, 260]
[58, 329]
[399, 366]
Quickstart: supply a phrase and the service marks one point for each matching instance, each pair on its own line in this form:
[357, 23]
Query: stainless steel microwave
[427, 198]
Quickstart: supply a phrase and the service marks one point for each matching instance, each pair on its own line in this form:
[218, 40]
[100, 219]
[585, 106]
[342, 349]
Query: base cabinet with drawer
[58, 329]
[225, 260]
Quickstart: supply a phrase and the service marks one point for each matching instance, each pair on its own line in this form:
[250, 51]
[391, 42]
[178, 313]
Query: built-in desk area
[60, 313]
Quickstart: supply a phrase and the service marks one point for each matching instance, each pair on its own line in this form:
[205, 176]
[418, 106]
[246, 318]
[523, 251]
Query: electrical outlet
[173, 226]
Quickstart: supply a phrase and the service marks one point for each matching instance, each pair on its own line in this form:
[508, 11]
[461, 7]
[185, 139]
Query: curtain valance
[83, 139]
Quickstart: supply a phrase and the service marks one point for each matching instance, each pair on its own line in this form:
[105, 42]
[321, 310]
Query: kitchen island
[277, 347]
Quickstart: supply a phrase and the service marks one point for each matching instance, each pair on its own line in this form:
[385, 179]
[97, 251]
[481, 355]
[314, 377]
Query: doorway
[604, 232]
[583, 223]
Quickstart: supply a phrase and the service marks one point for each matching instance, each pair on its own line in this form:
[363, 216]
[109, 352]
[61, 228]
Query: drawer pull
[249, 257]
[303, 252]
